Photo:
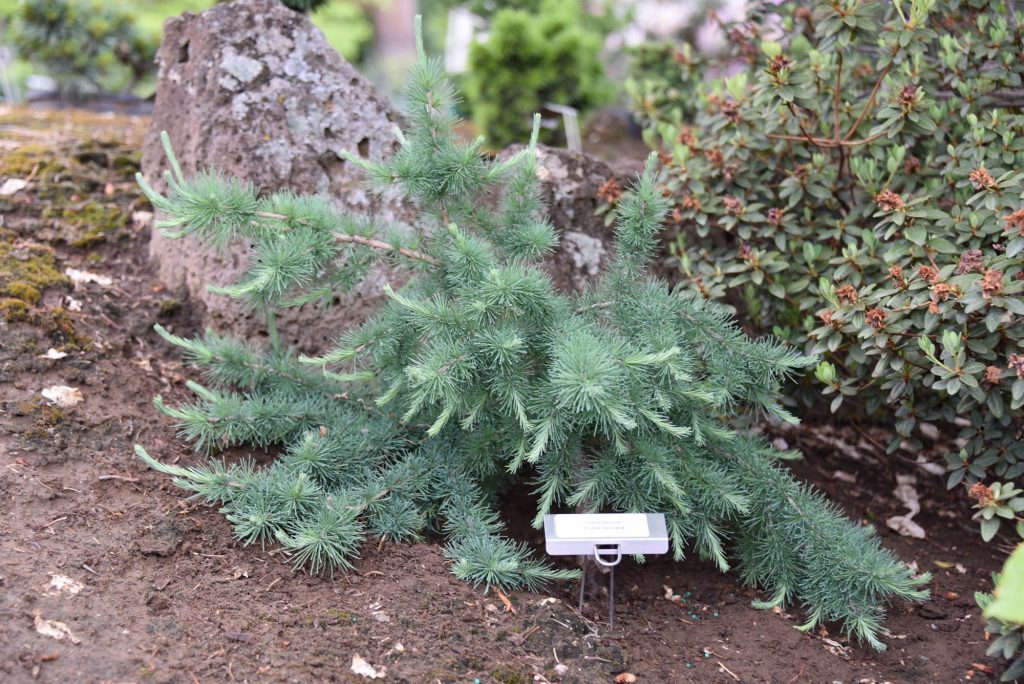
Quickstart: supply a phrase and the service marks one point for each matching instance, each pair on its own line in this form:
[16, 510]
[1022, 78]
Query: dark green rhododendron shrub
[86, 46]
[849, 178]
[1004, 613]
[478, 377]
[530, 60]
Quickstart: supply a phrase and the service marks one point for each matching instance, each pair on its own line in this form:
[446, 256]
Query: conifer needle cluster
[478, 378]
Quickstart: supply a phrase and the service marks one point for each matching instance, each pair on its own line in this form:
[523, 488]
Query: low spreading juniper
[477, 377]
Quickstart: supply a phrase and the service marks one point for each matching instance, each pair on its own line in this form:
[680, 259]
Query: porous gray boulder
[571, 183]
[255, 90]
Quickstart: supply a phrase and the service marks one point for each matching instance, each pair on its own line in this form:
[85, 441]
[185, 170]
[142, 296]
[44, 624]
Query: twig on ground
[504, 599]
[728, 671]
[117, 477]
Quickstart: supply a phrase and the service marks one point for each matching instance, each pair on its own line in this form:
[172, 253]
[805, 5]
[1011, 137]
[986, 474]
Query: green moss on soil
[506, 675]
[21, 162]
[57, 323]
[26, 292]
[14, 310]
[169, 307]
[35, 265]
[90, 223]
[128, 164]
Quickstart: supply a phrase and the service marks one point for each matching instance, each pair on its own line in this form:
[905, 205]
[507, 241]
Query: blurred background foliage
[347, 24]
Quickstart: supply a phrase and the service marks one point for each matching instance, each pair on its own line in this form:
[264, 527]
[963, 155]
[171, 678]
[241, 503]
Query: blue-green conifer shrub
[478, 377]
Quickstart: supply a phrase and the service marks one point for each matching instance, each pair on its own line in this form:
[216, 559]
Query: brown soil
[169, 596]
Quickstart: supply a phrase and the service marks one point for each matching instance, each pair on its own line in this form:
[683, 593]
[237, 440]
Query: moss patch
[168, 307]
[58, 325]
[46, 416]
[35, 265]
[27, 292]
[506, 675]
[27, 158]
[88, 223]
[14, 309]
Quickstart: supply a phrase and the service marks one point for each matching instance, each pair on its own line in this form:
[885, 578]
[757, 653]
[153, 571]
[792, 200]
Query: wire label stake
[605, 537]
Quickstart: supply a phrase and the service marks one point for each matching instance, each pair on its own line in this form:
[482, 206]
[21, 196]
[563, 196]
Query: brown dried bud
[686, 137]
[777, 65]
[971, 261]
[610, 191]
[826, 318]
[691, 202]
[732, 205]
[730, 108]
[1016, 364]
[912, 165]
[981, 493]
[897, 277]
[1015, 221]
[907, 98]
[714, 157]
[942, 292]
[928, 275]
[746, 251]
[889, 201]
[664, 158]
[677, 215]
[993, 375]
[875, 317]
[847, 294]
[981, 179]
[991, 283]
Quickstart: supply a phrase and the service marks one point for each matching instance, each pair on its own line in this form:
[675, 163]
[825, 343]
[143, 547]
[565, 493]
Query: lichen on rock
[255, 90]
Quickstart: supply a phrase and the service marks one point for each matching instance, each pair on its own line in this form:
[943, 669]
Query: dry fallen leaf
[12, 185]
[141, 219]
[625, 678]
[905, 526]
[62, 395]
[61, 584]
[82, 277]
[844, 476]
[55, 630]
[365, 669]
[907, 494]
[931, 468]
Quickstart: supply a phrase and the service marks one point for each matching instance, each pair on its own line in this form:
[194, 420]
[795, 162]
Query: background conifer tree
[477, 377]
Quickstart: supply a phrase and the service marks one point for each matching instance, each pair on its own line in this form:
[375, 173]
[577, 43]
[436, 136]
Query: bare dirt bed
[152, 588]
